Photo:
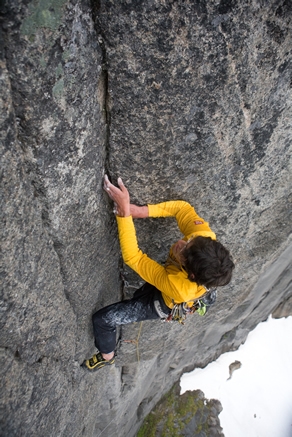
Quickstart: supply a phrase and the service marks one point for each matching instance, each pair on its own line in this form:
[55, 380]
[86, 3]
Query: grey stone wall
[183, 99]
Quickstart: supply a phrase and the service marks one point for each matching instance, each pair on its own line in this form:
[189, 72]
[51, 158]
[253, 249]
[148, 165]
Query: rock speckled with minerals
[183, 99]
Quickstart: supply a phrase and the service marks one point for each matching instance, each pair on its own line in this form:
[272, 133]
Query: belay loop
[180, 310]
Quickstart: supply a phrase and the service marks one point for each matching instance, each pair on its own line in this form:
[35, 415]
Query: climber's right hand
[120, 196]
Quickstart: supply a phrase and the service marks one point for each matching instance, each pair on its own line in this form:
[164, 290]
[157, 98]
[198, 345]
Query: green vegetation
[173, 413]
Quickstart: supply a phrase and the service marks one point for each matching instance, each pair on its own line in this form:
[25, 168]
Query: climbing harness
[180, 310]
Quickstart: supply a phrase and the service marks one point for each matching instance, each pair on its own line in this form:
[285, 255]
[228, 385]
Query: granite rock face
[183, 99]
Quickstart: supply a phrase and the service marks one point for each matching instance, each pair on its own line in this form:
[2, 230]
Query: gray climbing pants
[146, 304]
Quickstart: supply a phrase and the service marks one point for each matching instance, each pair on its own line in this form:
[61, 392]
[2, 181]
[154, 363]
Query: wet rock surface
[185, 100]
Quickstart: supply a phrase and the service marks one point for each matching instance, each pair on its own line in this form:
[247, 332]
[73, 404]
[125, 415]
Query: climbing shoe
[96, 362]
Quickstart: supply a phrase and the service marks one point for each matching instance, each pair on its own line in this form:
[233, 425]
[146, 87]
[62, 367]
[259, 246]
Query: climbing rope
[136, 342]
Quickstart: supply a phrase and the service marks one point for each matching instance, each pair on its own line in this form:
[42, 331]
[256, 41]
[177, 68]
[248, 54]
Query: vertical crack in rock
[104, 98]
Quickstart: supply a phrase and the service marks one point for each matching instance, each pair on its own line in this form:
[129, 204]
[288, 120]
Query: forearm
[187, 218]
[139, 211]
[170, 208]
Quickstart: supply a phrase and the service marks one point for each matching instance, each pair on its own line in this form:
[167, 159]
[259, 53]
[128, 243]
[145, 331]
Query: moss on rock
[178, 415]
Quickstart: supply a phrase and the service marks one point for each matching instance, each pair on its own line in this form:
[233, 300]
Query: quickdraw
[178, 313]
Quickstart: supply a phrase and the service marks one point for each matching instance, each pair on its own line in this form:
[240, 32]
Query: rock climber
[196, 264]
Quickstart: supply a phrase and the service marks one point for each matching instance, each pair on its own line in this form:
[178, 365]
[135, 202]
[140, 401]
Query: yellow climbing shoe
[96, 362]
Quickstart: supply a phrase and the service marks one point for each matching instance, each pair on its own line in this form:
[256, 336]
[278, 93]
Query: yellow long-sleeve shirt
[171, 279]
